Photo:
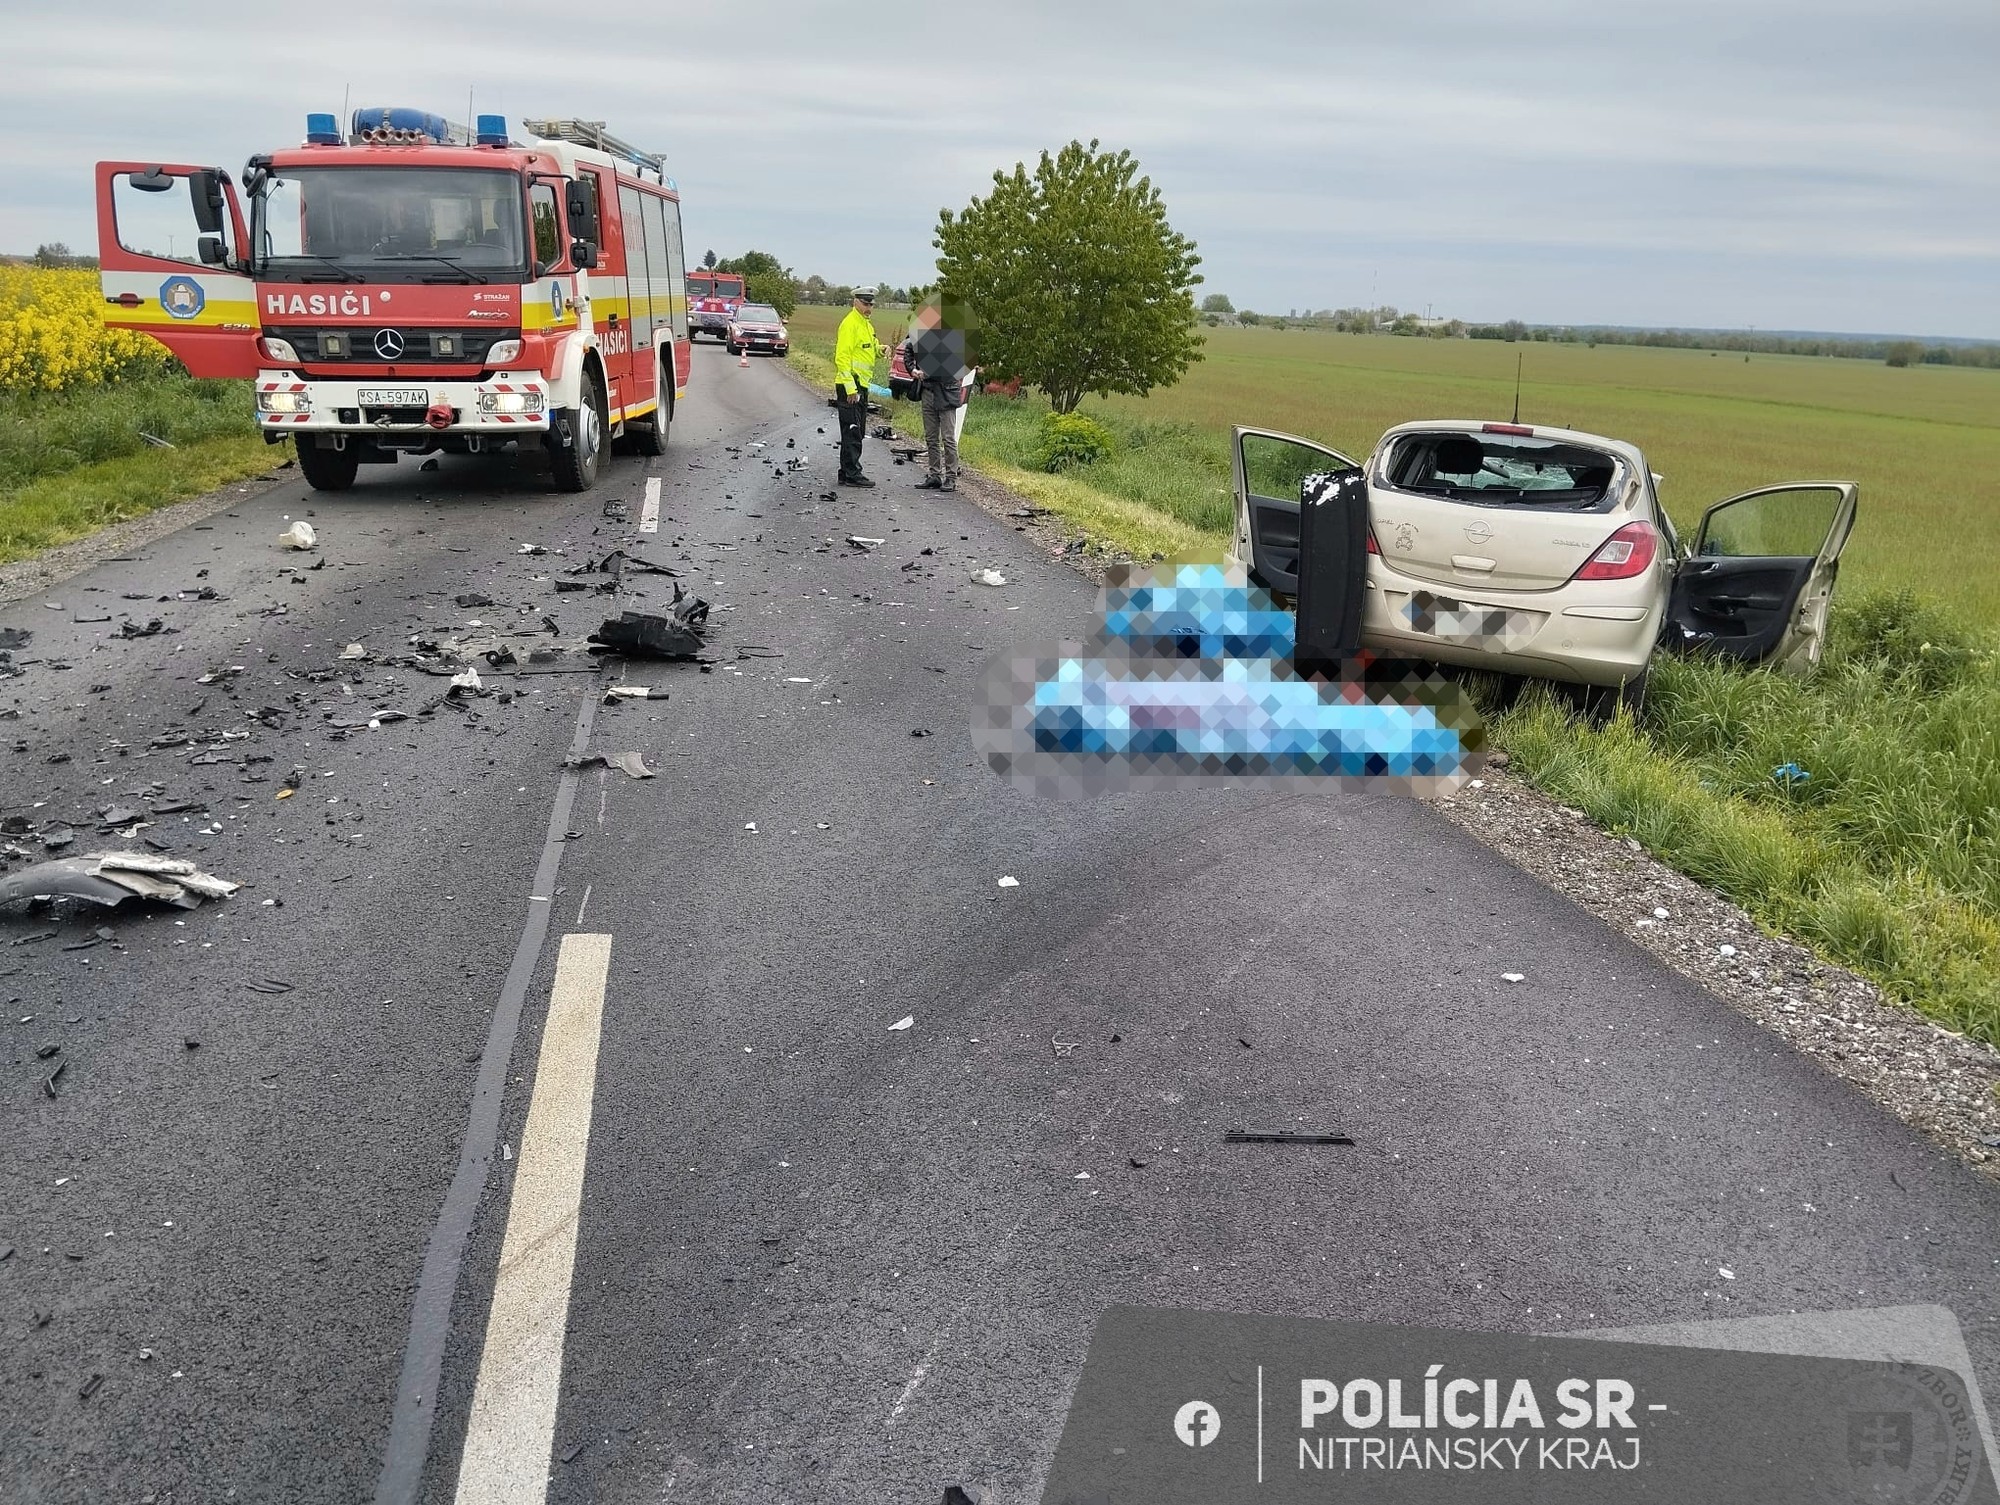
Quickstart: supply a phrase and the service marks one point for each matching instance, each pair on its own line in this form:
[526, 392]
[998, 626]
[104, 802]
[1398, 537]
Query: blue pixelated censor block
[1191, 677]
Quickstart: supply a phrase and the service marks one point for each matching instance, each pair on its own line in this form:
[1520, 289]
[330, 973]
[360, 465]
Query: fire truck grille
[366, 346]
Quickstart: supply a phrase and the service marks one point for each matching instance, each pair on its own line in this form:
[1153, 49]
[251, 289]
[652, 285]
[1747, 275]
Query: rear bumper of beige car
[1565, 635]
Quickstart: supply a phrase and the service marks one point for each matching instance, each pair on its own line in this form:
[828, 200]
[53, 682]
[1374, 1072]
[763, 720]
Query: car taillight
[1626, 553]
[1373, 547]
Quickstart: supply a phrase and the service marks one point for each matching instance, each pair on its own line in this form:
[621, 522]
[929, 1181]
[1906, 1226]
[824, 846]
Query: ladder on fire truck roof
[592, 133]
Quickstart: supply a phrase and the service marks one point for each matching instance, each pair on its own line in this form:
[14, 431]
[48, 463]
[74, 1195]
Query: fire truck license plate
[393, 397]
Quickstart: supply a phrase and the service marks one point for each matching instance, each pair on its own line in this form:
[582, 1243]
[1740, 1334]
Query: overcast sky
[1826, 165]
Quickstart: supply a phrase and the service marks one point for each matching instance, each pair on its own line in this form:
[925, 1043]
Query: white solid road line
[649, 513]
[511, 1435]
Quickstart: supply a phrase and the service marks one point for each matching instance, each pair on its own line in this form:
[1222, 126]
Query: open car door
[170, 248]
[1269, 469]
[1759, 580]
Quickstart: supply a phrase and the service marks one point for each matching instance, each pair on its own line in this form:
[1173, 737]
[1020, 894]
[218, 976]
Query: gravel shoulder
[1943, 1084]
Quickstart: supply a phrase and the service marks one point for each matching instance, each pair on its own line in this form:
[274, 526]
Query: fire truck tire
[649, 435]
[576, 465]
[328, 469]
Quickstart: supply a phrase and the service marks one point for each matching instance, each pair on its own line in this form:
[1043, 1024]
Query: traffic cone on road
[746, 357]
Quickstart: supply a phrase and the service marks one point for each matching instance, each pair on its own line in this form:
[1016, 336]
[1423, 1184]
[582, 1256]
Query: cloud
[1828, 165]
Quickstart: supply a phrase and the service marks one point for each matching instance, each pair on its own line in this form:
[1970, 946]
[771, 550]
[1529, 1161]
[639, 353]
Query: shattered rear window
[1504, 470]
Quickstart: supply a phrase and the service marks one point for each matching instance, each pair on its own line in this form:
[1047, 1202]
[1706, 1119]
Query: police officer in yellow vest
[854, 351]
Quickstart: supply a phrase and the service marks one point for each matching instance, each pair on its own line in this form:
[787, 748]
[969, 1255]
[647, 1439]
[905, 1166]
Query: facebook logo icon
[1197, 1423]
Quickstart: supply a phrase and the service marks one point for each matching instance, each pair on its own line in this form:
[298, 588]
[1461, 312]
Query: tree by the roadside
[709, 260]
[1078, 283]
[1904, 353]
[1217, 303]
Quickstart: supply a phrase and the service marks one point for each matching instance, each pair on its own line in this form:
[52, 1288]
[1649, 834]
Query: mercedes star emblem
[389, 345]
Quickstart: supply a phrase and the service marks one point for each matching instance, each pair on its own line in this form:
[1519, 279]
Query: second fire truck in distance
[714, 298]
[413, 287]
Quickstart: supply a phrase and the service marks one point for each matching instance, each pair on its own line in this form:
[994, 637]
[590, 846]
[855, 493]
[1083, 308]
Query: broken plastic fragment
[1010, 882]
[1512, 977]
[354, 650]
[988, 577]
[299, 536]
[903, 1023]
[113, 877]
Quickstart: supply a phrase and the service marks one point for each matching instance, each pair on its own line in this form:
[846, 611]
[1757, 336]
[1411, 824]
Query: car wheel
[1600, 704]
[328, 469]
[576, 464]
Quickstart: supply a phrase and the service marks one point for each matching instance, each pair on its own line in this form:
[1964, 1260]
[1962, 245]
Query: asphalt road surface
[759, 1245]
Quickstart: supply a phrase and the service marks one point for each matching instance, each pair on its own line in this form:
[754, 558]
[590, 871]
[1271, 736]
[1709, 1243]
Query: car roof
[1627, 452]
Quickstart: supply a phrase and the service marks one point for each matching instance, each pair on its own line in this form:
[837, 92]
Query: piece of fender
[110, 878]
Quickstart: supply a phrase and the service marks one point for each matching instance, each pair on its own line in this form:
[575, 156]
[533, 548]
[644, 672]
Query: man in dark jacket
[935, 355]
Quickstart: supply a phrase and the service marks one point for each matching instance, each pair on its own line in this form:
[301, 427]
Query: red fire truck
[713, 298]
[414, 287]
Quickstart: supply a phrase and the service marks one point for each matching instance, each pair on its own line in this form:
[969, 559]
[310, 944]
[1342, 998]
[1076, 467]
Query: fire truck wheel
[328, 469]
[649, 435]
[576, 465]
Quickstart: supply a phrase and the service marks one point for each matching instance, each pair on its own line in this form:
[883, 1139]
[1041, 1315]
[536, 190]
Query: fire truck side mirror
[584, 255]
[205, 188]
[581, 205]
[213, 252]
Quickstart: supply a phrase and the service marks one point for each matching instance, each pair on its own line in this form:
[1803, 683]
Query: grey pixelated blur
[1191, 676]
[1509, 629]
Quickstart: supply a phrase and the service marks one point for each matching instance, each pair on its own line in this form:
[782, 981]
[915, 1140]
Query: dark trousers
[853, 429]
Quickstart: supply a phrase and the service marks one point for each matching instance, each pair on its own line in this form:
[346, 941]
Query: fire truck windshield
[388, 224]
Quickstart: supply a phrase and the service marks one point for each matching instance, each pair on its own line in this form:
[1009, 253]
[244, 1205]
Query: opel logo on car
[1478, 533]
[389, 345]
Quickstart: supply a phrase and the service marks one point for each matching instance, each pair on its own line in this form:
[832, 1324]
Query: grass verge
[74, 462]
[1885, 860]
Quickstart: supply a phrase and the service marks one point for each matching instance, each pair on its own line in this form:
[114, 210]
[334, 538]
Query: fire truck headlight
[284, 402]
[279, 350]
[510, 402]
[503, 352]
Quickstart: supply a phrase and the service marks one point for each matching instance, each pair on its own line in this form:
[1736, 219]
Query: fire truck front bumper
[505, 405]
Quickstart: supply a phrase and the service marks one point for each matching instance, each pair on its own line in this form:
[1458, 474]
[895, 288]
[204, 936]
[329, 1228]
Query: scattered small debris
[152, 629]
[903, 1023]
[615, 693]
[920, 731]
[617, 511]
[988, 577]
[354, 651]
[472, 599]
[90, 1387]
[299, 536]
[855, 540]
[1512, 977]
[1250, 1136]
[266, 985]
[469, 680]
[49, 1082]
[1789, 775]
[1010, 882]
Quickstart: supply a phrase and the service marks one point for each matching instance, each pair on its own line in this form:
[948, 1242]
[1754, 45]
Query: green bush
[1072, 439]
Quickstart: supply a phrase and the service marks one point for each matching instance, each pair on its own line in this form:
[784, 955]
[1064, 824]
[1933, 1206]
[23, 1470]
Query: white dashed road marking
[511, 1434]
[649, 511]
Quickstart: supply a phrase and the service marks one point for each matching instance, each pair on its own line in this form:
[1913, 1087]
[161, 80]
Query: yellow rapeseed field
[52, 334]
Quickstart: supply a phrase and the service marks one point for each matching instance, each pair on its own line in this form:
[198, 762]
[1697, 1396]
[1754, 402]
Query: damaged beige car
[1545, 552]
